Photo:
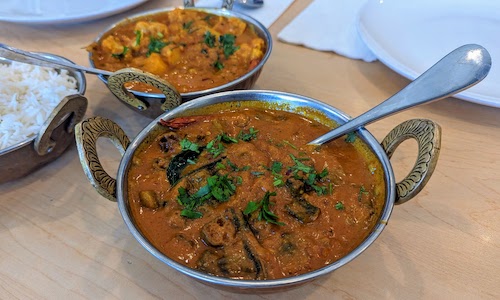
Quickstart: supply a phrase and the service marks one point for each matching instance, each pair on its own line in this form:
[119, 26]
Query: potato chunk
[154, 64]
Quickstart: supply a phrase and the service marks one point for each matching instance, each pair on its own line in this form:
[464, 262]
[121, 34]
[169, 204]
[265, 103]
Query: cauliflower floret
[257, 48]
[155, 29]
[173, 55]
[112, 45]
[231, 25]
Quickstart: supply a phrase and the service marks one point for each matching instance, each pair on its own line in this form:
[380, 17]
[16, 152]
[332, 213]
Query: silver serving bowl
[53, 138]
[152, 104]
[426, 133]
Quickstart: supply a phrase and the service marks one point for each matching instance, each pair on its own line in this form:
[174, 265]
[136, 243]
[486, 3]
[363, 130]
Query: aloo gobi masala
[191, 49]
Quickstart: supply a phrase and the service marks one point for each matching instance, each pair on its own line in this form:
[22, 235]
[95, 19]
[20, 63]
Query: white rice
[28, 95]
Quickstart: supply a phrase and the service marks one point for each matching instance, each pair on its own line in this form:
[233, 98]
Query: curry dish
[239, 194]
[191, 49]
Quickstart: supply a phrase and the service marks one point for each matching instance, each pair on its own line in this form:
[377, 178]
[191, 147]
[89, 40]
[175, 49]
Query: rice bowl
[28, 95]
[58, 115]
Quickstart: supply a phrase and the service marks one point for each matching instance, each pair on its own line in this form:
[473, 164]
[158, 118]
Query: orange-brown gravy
[269, 206]
[191, 49]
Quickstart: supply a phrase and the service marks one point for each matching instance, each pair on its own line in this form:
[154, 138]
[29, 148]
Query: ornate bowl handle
[86, 133]
[226, 4]
[428, 136]
[74, 107]
[117, 80]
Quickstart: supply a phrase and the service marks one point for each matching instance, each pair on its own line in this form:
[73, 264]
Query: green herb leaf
[138, 36]
[276, 167]
[221, 188]
[191, 214]
[299, 166]
[248, 136]
[339, 206]
[215, 148]
[265, 213]
[187, 26]
[207, 18]
[218, 65]
[155, 45]
[228, 46]
[122, 54]
[251, 207]
[323, 173]
[290, 144]
[362, 192]
[228, 139]
[188, 145]
[209, 39]
[350, 137]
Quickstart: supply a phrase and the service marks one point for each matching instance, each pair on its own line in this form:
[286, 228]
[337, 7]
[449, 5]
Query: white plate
[409, 36]
[61, 11]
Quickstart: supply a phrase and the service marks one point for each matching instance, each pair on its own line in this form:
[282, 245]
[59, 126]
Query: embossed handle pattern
[226, 4]
[74, 107]
[428, 136]
[86, 133]
[117, 80]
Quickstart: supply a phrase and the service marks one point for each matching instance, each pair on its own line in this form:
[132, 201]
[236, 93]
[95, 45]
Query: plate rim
[403, 69]
[72, 18]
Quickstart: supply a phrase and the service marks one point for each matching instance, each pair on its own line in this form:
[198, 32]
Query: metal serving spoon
[116, 80]
[457, 71]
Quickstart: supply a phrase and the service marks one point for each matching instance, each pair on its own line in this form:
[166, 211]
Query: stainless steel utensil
[115, 81]
[457, 71]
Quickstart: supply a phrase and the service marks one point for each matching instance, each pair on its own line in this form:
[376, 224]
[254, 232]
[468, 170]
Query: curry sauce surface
[193, 50]
[319, 216]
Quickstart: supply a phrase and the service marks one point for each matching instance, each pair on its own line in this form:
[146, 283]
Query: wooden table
[59, 239]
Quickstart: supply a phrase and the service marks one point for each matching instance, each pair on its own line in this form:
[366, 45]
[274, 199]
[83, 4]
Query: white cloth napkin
[329, 25]
[266, 14]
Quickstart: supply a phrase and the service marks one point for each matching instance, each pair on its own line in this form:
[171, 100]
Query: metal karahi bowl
[55, 136]
[153, 104]
[425, 132]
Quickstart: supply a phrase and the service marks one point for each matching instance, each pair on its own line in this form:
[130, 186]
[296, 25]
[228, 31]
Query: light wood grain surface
[60, 240]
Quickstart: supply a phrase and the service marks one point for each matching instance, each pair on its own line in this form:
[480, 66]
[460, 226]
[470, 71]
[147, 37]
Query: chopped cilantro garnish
[218, 65]
[215, 148]
[220, 188]
[299, 166]
[362, 192]
[248, 136]
[276, 167]
[187, 26]
[188, 145]
[122, 54]
[155, 45]
[265, 214]
[227, 43]
[227, 139]
[339, 206]
[209, 39]
[350, 137]
[289, 144]
[138, 36]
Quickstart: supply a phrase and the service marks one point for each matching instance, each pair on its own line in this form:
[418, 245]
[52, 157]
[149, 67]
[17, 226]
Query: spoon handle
[457, 71]
[43, 61]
